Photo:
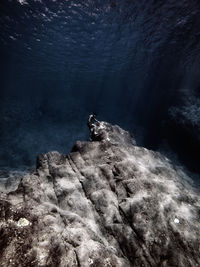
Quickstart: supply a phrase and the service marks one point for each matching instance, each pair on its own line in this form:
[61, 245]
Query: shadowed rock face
[107, 203]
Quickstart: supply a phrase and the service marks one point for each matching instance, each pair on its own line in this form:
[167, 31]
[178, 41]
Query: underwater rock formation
[107, 203]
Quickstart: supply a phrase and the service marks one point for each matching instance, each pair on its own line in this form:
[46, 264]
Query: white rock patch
[23, 222]
[176, 221]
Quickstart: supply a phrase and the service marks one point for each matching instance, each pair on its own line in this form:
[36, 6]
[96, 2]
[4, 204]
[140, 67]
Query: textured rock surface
[107, 203]
[10, 179]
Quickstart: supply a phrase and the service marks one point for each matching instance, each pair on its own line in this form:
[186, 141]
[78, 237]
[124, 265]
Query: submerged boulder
[107, 203]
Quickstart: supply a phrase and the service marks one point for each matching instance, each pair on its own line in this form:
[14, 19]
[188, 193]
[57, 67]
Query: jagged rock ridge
[107, 203]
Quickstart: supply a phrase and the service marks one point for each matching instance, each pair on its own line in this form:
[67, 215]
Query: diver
[93, 124]
[92, 119]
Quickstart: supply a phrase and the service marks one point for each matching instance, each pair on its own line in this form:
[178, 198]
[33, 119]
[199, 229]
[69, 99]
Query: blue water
[129, 61]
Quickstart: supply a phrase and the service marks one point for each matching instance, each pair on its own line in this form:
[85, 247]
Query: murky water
[129, 61]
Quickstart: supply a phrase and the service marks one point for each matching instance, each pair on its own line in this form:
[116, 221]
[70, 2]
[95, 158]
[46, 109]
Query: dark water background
[129, 61]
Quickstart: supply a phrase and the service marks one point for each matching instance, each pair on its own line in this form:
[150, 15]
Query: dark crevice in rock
[77, 259]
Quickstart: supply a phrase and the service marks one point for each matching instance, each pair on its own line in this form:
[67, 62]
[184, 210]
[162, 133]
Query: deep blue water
[129, 61]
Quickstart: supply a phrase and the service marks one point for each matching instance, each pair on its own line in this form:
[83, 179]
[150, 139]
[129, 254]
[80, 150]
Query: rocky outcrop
[107, 203]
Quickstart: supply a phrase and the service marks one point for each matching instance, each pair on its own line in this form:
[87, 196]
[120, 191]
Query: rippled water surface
[129, 61]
